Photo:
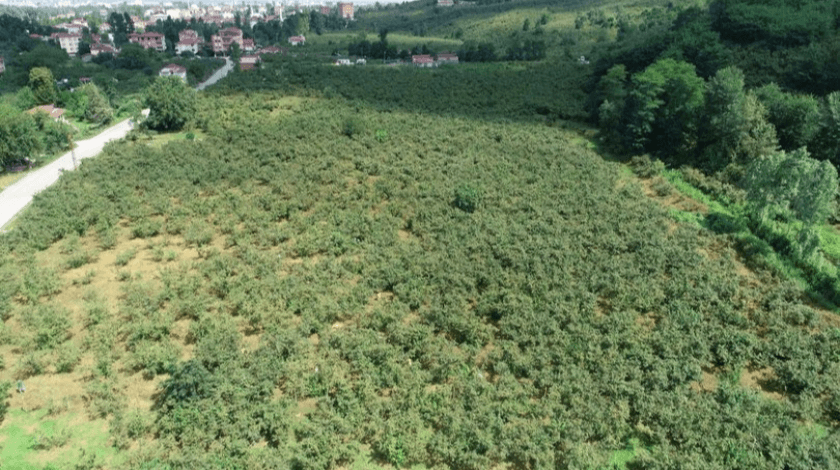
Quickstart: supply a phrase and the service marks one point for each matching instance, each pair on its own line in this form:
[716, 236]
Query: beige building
[67, 41]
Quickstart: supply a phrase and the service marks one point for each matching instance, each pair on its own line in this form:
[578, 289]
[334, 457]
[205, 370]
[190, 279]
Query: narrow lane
[17, 196]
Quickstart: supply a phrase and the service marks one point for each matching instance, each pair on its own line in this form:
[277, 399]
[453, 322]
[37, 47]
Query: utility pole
[72, 149]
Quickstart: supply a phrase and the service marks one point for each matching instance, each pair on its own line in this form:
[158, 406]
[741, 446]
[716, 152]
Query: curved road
[17, 196]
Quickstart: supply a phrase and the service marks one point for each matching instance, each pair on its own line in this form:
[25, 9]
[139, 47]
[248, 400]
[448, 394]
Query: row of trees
[668, 109]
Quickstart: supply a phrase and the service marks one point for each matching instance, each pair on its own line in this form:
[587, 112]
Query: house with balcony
[99, 48]
[148, 40]
[226, 37]
[67, 41]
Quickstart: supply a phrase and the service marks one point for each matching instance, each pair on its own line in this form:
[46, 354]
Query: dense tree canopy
[42, 83]
[18, 136]
[171, 104]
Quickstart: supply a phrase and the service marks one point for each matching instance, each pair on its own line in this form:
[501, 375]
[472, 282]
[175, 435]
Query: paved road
[17, 196]
[218, 75]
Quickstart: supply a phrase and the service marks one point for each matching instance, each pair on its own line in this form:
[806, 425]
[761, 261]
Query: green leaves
[792, 185]
[171, 104]
[467, 197]
[43, 85]
[18, 136]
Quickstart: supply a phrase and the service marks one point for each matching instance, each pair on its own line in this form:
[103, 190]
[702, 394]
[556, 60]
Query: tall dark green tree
[664, 101]
[18, 135]
[735, 130]
[792, 187]
[171, 104]
[42, 83]
[796, 117]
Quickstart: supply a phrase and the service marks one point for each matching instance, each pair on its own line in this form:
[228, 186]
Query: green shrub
[467, 198]
[153, 357]
[352, 126]
[5, 387]
[68, 357]
[644, 167]
[126, 256]
[58, 437]
[103, 398]
[39, 282]
[146, 228]
[30, 365]
[48, 324]
[198, 234]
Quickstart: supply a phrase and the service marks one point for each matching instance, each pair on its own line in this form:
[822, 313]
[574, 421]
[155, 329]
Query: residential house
[226, 37]
[174, 70]
[249, 62]
[422, 60]
[297, 40]
[345, 10]
[215, 19]
[139, 24]
[68, 42]
[446, 59]
[189, 41]
[248, 45]
[70, 28]
[148, 40]
[177, 13]
[273, 50]
[342, 62]
[99, 48]
[445, 3]
[155, 17]
[57, 114]
[105, 28]
[187, 45]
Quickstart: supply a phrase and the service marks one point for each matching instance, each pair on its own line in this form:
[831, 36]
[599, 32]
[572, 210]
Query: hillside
[382, 267]
[316, 284]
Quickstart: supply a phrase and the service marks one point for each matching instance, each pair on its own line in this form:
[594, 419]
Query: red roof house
[422, 60]
[56, 114]
[174, 70]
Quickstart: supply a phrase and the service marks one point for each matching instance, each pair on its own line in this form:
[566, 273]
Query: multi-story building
[99, 48]
[188, 41]
[345, 10]
[67, 41]
[148, 40]
[226, 37]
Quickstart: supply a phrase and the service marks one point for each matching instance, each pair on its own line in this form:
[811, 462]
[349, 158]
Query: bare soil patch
[761, 380]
